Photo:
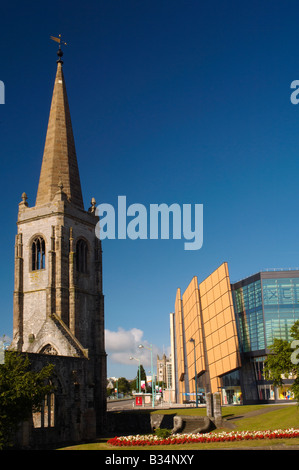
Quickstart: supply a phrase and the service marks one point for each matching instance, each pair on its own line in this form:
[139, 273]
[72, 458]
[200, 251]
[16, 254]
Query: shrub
[162, 433]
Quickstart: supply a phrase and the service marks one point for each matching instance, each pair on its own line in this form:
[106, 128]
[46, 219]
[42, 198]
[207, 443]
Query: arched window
[38, 251]
[49, 349]
[81, 256]
[45, 417]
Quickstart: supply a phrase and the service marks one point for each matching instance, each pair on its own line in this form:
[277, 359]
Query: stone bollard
[217, 413]
[209, 404]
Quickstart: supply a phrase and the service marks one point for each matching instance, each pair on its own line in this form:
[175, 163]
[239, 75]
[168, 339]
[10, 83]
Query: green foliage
[279, 362]
[21, 392]
[142, 373]
[123, 385]
[163, 433]
[135, 382]
[294, 330]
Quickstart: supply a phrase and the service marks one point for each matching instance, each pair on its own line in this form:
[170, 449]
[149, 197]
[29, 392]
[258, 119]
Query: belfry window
[38, 253]
[81, 256]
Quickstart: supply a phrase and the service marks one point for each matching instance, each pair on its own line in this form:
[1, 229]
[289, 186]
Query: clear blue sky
[172, 101]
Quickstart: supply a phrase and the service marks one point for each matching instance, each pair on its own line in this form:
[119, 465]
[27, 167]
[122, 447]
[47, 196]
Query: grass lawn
[244, 418]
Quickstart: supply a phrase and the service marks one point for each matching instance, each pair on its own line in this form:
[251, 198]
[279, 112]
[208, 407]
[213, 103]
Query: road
[113, 405]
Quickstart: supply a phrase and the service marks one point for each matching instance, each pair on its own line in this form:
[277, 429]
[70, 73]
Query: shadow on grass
[232, 416]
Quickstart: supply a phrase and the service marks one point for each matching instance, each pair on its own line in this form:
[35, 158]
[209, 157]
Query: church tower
[58, 298]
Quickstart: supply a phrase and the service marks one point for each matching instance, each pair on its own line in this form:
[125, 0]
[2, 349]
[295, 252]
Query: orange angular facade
[205, 314]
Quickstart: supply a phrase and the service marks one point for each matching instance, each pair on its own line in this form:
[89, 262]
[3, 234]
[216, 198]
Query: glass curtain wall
[281, 307]
[249, 312]
[280, 300]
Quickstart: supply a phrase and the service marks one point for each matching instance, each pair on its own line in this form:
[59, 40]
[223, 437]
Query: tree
[21, 393]
[143, 377]
[134, 384]
[123, 385]
[282, 361]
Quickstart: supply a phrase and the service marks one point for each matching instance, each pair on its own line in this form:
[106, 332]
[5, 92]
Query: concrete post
[209, 403]
[217, 408]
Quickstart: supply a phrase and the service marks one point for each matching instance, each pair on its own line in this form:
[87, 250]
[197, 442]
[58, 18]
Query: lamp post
[196, 398]
[152, 368]
[139, 375]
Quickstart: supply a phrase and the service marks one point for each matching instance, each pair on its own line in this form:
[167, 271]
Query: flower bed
[152, 440]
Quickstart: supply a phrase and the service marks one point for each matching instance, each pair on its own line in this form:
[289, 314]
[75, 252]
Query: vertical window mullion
[33, 255]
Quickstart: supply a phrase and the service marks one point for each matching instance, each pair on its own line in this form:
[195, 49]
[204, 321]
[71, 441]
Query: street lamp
[152, 367]
[196, 398]
[139, 375]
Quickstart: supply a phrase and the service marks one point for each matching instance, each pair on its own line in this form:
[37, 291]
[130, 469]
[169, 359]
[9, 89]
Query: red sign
[138, 401]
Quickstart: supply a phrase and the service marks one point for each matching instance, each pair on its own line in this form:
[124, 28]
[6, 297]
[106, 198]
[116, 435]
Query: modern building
[58, 314]
[163, 369]
[221, 333]
[165, 377]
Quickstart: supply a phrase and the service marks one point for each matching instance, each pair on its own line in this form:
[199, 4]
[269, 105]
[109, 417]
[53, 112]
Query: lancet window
[81, 256]
[38, 251]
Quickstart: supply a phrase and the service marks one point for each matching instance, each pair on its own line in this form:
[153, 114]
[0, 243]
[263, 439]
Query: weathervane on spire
[60, 41]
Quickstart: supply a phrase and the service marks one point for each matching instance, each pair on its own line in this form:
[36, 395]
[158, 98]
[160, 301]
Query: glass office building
[266, 306]
[224, 331]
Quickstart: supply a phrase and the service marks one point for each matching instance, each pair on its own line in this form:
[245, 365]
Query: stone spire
[59, 165]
